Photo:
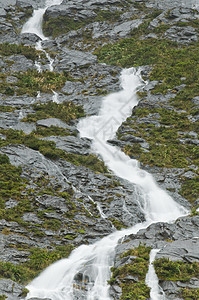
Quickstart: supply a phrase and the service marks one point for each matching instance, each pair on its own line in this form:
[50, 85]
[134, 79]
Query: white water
[152, 280]
[94, 261]
[34, 24]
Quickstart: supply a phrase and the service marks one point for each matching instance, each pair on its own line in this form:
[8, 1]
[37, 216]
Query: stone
[71, 144]
[10, 289]
[2, 13]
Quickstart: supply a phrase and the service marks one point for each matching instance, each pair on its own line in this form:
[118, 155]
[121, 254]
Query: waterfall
[152, 280]
[93, 262]
[34, 24]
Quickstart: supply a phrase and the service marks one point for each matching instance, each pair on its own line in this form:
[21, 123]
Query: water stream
[94, 261]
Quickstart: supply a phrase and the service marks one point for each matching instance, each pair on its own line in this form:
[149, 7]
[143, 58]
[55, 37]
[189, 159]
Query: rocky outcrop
[177, 242]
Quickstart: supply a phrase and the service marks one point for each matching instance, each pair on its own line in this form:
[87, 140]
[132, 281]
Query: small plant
[178, 270]
[65, 111]
[138, 268]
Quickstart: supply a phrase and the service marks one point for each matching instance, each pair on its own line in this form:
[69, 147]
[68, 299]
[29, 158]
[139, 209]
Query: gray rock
[10, 289]
[71, 144]
[23, 4]
[2, 13]
[74, 59]
[53, 122]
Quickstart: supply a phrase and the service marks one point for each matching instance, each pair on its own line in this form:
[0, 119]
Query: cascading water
[34, 25]
[94, 261]
[152, 280]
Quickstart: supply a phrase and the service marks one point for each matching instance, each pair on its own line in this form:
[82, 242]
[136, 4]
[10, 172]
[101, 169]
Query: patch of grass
[7, 49]
[62, 24]
[65, 111]
[37, 261]
[178, 270]
[138, 268]
[11, 183]
[189, 294]
[32, 81]
[42, 131]
[190, 188]
[117, 224]
[6, 108]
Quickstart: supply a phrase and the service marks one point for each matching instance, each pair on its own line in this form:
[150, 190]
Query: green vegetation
[190, 188]
[42, 131]
[116, 223]
[6, 108]
[189, 294]
[48, 149]
[32, 81]
[173, 65]
[63, 24]
[10, 180]
[175, 270]
[138, 268]
[7, 49]
[37, 261]
[65, 111]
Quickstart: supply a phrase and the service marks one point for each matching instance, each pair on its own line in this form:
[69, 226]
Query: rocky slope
[55, 194]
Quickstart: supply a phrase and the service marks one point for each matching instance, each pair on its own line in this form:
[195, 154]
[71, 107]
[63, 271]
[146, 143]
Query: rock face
[55, 194]
[177, 242]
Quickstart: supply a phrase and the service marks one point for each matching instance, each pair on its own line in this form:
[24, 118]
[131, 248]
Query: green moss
[65, 111]
[138, 268]
[52, 131]
[7, 49]
[117, 224]
[190, 188]
[178, 270]
[64, 24]
[52, 224]
[137, 291]
[189, 294]
[6, 108]
[3, 297]
[11, 183]
[91, 161]
[32, 81]
[37, 261]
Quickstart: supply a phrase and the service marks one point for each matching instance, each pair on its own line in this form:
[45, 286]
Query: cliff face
[53, 189]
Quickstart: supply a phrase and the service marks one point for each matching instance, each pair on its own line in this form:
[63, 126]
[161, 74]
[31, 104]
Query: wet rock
[72, 59]
[29, 38]
[2, 13]
[54, 122]
[178, 242]
[23, 4]
[185, 36]
[10, 289]
[71, 144]
[21, 63]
